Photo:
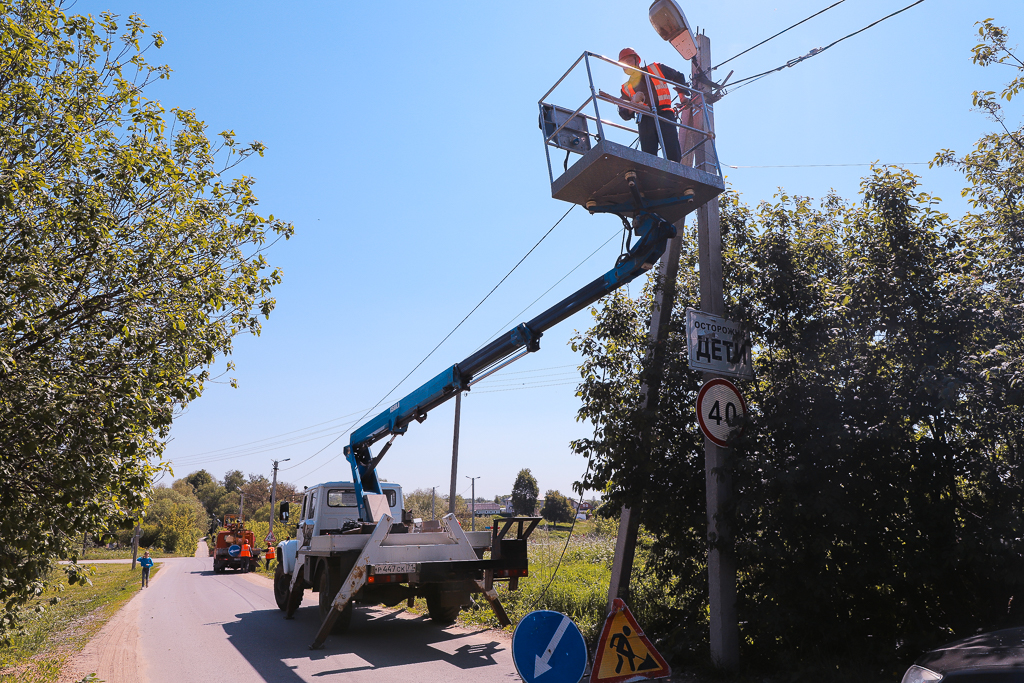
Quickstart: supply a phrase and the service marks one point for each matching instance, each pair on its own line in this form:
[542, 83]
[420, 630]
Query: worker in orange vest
[246, 551]
[635, 90]
[270, 555]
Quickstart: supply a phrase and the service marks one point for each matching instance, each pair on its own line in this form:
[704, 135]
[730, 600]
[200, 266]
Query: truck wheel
[217, 569]
[281, 583]
[330, 584]
[439, 611]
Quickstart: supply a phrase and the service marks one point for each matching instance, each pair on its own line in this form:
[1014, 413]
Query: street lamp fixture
[669, 21]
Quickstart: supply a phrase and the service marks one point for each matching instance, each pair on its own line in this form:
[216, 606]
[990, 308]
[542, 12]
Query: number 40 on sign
[720, 410]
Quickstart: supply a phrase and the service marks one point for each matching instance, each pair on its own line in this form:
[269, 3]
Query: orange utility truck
[235, 548]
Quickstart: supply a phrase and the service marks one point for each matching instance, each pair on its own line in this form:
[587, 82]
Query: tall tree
[233, 480]
[199, 479]
[525, 492]
[257, 493]
[557, 508]
[129, 259]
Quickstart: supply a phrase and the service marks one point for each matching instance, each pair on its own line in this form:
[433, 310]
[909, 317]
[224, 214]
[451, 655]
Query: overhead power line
[531, 386]
[908, 163]
[254, 451]
[545, 292]
[816, 51]
[409, 374]
[778, 34]
[302, 433]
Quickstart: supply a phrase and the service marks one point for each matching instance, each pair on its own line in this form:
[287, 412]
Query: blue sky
[403, 144]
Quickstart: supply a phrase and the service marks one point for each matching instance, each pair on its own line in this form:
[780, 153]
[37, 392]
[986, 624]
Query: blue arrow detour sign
[547, 647]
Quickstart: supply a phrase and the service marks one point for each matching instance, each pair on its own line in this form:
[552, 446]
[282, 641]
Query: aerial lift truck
[372, 557]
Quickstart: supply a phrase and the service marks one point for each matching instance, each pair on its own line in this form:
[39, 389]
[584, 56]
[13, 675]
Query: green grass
[122, 554]
[54, 635]
[579, 589]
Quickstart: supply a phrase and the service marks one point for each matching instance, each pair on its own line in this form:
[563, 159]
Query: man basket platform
[605, 171]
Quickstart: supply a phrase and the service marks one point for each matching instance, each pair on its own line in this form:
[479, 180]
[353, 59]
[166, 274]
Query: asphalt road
[194, 625]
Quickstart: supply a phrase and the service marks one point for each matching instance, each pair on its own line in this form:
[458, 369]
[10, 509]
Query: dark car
[996, 657]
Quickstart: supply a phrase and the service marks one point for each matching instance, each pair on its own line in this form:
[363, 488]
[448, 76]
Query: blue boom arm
[653, 232]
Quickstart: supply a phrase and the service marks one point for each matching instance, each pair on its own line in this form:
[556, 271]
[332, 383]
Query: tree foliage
[129, 259]
[878, 483]
[557, 508]
[234, 480]
[524, 493]
[175, 519]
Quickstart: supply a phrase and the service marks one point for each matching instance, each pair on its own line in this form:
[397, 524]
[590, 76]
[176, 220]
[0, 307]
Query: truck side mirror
[284, 511]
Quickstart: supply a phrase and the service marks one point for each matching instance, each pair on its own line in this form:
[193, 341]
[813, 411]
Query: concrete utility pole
[273, 497]
[718, 481]
[473, 499]
[433, 497]
[455, 452]
[241, 506]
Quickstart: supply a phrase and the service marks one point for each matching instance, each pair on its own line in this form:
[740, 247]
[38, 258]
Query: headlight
[919, 674]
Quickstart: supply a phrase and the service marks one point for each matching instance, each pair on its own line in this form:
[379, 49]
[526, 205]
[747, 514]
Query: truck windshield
[346, 498]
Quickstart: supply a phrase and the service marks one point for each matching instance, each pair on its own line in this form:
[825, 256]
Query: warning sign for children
[624, 653]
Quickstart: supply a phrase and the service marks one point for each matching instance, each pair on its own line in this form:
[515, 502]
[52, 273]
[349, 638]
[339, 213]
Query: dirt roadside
[113, 653]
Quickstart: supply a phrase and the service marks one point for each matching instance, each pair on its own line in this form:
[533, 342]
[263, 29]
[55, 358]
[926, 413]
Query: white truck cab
[327, 507]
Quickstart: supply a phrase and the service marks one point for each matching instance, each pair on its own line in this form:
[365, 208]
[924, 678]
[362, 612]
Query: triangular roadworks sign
[624, 653]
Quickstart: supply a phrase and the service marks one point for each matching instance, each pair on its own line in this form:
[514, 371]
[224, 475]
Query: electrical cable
[735, 85]
[777, 35]
[908, 163]
[532, 386]
[567, 539]
[242, 454]
[553, 367]
[519, 263]
[276, 436]
[507, 380]
[545, 293]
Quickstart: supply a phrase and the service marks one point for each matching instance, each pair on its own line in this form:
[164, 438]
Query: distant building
[486, 509]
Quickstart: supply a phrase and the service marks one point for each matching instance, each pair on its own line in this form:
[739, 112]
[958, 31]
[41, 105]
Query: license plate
[395, 568]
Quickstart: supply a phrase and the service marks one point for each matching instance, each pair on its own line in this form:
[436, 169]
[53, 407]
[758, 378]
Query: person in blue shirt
[147, 563]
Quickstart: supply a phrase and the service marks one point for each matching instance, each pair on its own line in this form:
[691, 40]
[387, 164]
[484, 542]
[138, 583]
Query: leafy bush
[175, 521]
[878, 482]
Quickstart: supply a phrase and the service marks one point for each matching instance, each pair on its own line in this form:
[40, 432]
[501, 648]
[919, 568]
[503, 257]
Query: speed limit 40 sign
[720, 410]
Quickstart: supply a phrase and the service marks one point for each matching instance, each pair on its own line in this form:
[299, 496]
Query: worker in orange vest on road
[246, 551]
[635, 90]
[270, 555]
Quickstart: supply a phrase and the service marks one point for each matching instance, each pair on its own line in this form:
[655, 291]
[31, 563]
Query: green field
[121, 554]
[52, 636]
[579, 588]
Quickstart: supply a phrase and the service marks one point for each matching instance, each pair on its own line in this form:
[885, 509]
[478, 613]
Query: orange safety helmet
[629, 52]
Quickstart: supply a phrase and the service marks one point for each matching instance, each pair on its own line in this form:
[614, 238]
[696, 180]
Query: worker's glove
[638, 98]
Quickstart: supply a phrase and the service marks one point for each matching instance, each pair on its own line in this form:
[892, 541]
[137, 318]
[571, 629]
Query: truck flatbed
[419, 542]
